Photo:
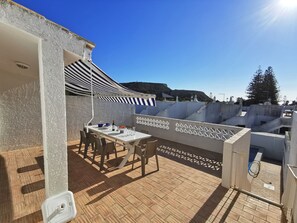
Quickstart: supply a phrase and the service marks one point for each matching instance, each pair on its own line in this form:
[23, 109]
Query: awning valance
[79, 81]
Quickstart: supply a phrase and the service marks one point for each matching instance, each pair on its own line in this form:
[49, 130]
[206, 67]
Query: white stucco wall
[79, 112]
[20, 117]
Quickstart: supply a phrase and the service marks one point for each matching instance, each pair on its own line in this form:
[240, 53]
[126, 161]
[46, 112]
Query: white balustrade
[153, 122]
[204, 131]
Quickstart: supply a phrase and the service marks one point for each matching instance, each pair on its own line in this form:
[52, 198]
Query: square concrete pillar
[53, 112]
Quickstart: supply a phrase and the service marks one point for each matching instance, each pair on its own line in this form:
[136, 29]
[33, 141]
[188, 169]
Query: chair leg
[115, 153]
[94, 155]
[80, 144]
[102, 159]
[157, 161]
[142, 166]
[86, 149]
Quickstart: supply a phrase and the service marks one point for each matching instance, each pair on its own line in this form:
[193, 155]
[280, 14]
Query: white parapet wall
[232, 142]
[289, 198]
[235, 161]
[293, 143]
[203, 135]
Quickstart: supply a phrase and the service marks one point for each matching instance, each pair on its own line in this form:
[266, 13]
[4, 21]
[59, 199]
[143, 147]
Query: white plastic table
[129, 138]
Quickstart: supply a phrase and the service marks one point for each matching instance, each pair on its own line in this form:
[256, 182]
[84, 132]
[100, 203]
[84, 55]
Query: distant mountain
[159, 88]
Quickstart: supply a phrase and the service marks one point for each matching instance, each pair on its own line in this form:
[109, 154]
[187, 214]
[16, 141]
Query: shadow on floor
[28, 168]
[6, 208]
[82, 175]
[211, 204]
[28, 188]
[33, 217]
[110, 184]
[206, 161]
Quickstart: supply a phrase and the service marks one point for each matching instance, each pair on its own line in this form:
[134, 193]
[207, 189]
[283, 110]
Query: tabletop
[126, 135]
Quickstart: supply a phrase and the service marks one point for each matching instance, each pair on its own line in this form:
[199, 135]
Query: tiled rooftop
[186, 191]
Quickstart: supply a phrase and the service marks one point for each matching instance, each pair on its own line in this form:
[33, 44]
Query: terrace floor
[186, 189]
[268, 183]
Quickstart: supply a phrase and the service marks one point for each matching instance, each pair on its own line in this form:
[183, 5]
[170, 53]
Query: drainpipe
[92, 97]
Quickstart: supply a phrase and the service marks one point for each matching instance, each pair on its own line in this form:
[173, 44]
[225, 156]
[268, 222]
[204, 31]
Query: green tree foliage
[263, 87]
[254, 89]
[270, 85]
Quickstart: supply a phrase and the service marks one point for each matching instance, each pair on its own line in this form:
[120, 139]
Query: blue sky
[209, 45]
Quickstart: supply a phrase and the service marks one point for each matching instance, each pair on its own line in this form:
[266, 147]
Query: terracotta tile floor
[186, 191]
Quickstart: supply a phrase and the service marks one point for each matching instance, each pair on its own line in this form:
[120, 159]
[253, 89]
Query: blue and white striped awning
[79, 81]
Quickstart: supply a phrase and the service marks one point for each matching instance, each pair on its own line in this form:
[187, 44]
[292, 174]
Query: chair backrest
[83, 135]
[98, 144]
[103, 141]
[143, 141]
[151, 148]
[109, 147]
[91, 137]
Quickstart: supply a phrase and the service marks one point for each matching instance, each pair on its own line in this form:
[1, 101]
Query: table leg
[130, 148]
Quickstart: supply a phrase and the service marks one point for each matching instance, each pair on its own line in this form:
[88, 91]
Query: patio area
[186, 189]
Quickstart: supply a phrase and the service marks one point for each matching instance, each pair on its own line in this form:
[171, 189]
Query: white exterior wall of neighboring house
[259, 114]
[150, 110]
[198, 115]
[180, 110]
